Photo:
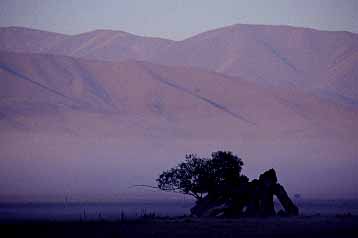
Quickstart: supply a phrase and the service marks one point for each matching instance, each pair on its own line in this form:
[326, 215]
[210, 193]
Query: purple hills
[114, 108]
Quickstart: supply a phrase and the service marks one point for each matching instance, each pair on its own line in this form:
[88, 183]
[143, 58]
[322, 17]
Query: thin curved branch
[165, 190]
[143, 185]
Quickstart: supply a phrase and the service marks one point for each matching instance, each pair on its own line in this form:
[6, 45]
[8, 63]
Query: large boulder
[253, 198]
[290, 208]
[267, 182]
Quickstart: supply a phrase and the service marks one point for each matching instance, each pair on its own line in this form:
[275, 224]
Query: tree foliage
[199, 176]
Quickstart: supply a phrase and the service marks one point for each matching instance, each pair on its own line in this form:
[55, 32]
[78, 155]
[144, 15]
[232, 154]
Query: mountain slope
[139, 88]
[100, 44]
[270, 55]
[19, 39]
[276, 55]
[110, 45]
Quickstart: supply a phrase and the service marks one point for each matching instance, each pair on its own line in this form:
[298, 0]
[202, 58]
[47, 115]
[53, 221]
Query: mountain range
[99, 105]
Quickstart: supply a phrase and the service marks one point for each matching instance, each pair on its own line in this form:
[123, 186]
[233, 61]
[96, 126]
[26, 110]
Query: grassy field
[314, 226]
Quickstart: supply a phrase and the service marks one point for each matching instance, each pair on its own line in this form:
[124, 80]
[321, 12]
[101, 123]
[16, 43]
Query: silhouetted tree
[200, 176]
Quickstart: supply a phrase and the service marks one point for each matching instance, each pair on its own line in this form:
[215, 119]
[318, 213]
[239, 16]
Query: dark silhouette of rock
[253, 198]
[253, 202]
[267, 182]
[290, 208]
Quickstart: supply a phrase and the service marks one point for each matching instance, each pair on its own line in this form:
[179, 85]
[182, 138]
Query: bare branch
[164, 190]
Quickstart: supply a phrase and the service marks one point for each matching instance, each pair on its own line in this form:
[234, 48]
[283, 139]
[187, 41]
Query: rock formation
[253, 198]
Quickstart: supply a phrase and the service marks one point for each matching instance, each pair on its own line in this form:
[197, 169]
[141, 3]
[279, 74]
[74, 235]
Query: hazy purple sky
[175, 19]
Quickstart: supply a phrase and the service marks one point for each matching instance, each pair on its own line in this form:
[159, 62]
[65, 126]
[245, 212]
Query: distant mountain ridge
[105, 45]
[320, 61]
[20, 39]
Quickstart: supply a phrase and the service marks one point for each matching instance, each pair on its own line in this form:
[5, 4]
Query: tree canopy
[200, 176]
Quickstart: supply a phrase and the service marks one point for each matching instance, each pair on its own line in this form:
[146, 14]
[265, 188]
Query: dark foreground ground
[314, 226]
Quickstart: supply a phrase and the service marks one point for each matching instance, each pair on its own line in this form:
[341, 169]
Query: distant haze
[176, 19]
